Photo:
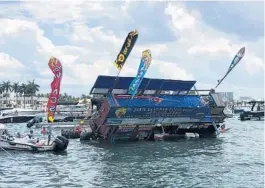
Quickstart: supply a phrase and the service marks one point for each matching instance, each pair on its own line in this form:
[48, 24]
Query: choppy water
[235, 160]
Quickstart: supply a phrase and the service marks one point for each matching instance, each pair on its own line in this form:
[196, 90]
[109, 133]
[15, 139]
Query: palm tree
[47, 95]
[65, 96]
[31, 89]
[1, 91]
[15, 88]
[6, 87]
[83, 96]
[23, 91]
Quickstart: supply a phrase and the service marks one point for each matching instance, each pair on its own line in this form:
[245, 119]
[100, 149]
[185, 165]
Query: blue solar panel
[107, 82]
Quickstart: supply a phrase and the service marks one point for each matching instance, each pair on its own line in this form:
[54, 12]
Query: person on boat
[78, 129]
[38, 143]
[18, 135]
[49, 132]
[6, 133]
[43, 131]
[30, 135]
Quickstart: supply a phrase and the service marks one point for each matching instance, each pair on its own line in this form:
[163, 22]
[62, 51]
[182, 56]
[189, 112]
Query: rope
[11, 155]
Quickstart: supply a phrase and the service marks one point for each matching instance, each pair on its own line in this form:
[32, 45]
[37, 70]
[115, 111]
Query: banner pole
[115, 82]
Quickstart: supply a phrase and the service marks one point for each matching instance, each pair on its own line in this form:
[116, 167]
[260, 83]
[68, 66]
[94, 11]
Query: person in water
[223, 129]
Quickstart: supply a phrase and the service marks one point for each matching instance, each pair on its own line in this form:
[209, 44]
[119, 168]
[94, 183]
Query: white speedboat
[42, 121]
[9, 142]
[17, 115]
[228, 112]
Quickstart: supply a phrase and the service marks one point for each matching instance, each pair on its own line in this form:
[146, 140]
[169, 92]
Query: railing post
[216, 128]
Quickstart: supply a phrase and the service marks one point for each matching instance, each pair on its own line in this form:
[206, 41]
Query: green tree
[83, 96]
[6, 87]
[15, 89]
[1, 90]
[23, 91]
[31, 89]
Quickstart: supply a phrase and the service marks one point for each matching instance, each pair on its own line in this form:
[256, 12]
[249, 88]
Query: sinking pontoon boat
[170, 103]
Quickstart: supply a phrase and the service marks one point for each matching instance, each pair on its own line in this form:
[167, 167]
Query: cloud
[10, 67]
[171, 70]
[58, 12]
[203, 44]
[183, 45]
[7, 61]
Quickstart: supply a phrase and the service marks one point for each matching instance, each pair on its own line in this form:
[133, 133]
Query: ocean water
[235, 159]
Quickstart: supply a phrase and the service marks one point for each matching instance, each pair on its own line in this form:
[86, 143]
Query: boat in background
[228, 112]
[60, 121]
[255, 113]
[17, 115]
[9, 142]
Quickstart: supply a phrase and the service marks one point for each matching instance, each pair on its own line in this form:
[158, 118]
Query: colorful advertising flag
[144, 65]
[56, 68]
[240, 54]
[126, 49]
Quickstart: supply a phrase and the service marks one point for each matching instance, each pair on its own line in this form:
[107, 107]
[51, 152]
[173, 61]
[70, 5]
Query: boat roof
[259, 102]
[6, 109]
[104, 83]
[67, 103]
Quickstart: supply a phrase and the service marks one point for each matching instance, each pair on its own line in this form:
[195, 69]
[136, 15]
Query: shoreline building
[227, 96]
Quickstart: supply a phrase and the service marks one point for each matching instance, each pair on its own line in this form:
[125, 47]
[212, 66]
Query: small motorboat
[17, 115]
[228, 112]
[9, 142]
[256, 113]
[42, 121]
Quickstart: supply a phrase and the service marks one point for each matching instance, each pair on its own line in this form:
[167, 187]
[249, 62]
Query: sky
[188, 41]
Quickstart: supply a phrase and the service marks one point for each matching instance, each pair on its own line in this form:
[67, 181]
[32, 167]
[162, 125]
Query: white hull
[160, 136]
[229, 115]
[8, 142]
[57, 125]
[23, 145]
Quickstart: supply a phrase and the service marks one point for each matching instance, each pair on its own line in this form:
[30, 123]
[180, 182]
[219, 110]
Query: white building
[227, 96]
[37, 102]
[245, 98]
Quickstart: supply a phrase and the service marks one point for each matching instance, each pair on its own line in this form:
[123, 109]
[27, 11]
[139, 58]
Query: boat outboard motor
[61, 143]
[31, 123]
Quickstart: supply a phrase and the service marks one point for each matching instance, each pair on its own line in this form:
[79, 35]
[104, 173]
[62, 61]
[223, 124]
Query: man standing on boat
[49, 132]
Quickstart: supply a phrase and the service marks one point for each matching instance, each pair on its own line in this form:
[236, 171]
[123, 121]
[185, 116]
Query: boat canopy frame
[148, 86]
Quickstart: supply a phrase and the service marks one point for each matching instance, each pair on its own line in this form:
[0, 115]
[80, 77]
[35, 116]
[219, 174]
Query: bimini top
[147, 86]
